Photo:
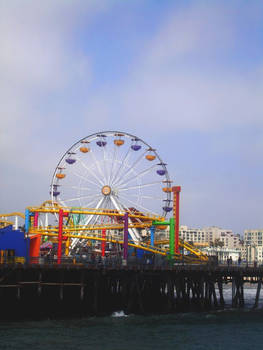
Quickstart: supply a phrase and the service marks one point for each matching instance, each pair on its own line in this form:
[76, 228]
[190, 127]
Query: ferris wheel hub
[106, 190]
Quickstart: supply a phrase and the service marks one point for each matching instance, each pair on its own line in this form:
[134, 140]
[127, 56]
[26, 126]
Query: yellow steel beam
[54, 204]
[142, 246]
[87, 228]
[13, 214]
[197, 252]
[5, 223]
[112, 240]
[193, 250]
[90, 211]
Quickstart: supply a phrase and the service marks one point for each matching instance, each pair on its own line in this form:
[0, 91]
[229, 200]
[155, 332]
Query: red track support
[60, 232]
[176, 191]
[103, 243]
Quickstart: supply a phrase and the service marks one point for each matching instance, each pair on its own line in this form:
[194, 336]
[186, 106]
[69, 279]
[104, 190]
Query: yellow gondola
[167, 189]
[150, 157]
[60, 176]
[118, 142]
[84, 149]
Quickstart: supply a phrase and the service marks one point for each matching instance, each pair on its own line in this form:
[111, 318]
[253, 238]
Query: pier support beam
[258, 293]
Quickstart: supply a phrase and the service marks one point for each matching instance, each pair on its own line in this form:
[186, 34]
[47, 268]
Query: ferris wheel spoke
[89, 170]
[77, 187]
[116, 204]
[98, 165]
[121, 166]
[146, 197]
[132, 167]
[90, 203]
[85, 179]
[101, 205]
[98, 205]
[139, 186]
[136, 204]
[142, 173]
[104, 164]
[81, 197]
[113, 163]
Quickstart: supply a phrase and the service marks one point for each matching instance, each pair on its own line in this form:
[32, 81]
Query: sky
[185, 76]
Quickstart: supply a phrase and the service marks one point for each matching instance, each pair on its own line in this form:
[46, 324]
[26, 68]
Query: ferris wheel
[112, 170]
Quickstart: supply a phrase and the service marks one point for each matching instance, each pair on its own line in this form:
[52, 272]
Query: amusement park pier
[97, 245]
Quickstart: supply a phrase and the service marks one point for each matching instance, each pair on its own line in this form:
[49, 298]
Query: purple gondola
[70, 160]
[56, 193]
[161, 172]
[167, 209]
[136, 147]
[101, 143]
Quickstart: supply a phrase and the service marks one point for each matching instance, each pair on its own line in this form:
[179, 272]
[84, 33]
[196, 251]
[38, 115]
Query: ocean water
[228, 329]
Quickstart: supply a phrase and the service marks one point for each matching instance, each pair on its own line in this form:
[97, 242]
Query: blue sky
[185, 76]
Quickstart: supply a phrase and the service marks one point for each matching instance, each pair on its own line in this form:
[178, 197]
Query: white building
[253, 246]
[210, 235]
[224, 253]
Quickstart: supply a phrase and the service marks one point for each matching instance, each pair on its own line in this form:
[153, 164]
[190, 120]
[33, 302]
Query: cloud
[39, 63]
[184, 77]
[191, 87]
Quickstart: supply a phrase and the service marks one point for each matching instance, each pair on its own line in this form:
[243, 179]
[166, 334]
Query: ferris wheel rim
[111, 133]
[105, 132]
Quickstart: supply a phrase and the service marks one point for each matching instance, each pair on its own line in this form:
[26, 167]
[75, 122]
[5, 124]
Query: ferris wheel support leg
[125, 238]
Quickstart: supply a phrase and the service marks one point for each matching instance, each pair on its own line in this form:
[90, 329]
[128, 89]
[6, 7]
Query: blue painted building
[14, 240]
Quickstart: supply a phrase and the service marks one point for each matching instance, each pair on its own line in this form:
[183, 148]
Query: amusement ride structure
[109, 187]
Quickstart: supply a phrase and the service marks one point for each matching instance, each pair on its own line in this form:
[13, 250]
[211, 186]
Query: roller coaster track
[68, 231]
[13, 214]
[3, 218]
[96, 211]
[5, 223]
[185, 245]
[197, 256]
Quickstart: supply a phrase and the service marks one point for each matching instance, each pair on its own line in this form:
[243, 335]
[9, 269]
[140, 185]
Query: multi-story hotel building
[252, 249]
[210, 235]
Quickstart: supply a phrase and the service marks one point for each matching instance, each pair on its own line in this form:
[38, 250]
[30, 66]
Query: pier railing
[117, 261]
